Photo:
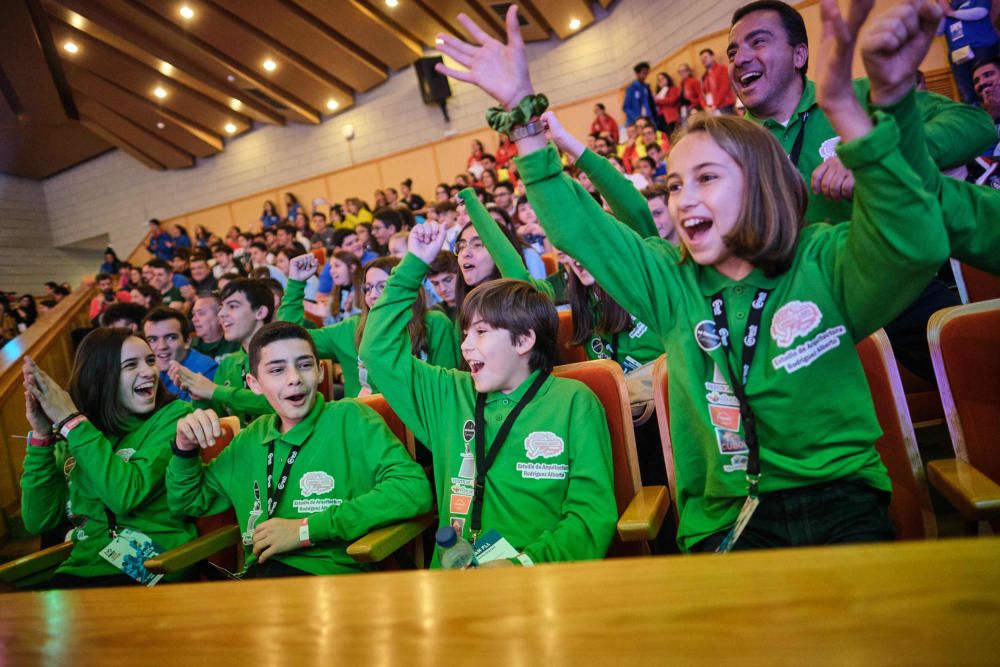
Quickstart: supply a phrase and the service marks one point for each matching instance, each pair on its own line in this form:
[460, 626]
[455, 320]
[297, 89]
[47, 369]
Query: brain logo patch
[543, 444]
[794, 319]
[315, 483]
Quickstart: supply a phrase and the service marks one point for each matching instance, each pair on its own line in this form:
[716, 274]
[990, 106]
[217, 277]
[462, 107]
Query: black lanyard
[738, 383]
[483, 460]
[797, 146]
[273, 500]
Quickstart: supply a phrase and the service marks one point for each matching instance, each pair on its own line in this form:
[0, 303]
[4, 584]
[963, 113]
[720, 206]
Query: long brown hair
[416, 327]
[610, 318]
[96, 377]
[766, 233]
[357, 282]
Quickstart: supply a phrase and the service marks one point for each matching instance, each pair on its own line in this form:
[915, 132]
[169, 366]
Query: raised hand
[426, 241]
[894, 45]
[563, 140]
[834, 92]
[54, 401]
[500, 70]
[198, 429]
[833, 180]
[196, 384]
[303, 267]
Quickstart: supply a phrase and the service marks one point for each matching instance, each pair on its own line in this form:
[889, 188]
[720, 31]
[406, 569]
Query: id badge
[251, 523]
[128, 552]
[956, 31]
[493, 546]
[749, 507]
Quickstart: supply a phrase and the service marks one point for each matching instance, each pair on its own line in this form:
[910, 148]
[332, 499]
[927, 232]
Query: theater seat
[567, 352]
[965, 351]
[551, 261]
[320, 255]
[641, 510]
[326, 386]
[975, 285]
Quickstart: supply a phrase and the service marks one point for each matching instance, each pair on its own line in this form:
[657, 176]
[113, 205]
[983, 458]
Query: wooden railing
[49, 343]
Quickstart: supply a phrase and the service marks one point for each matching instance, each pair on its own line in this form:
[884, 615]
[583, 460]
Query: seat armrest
[381, 543]
[20, 570]
[194, 551]
[973, 494]
[642, 519]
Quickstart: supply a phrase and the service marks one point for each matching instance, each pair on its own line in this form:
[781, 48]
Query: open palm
[499, 69]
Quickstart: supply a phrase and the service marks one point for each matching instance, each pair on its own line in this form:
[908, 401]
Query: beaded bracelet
[530, 107]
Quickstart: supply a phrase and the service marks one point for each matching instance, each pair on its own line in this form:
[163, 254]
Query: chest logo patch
[794, 319]
[827, 149]
[706, 336]
[543, 444]
[469, 430]
[315, 483]
[125, 454]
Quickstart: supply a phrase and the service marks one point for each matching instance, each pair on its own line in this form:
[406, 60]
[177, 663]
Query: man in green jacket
[247, 305]
[547, 486]
[305, 481]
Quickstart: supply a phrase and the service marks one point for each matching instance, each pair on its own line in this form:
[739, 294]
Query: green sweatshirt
[509, 261]
[970, 211]
[90, 473]
[956, 133]
[231, 396]
[553, 505]
[815, 418]
[337, 341]
[216, 350]
[352, 475]
[626, 204]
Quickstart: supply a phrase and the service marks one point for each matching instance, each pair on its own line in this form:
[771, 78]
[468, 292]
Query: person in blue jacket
[638, 96]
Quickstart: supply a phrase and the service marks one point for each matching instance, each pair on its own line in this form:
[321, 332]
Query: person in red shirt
[690, 90]
[668, 103]
[505, 152]
[717, 90]
[604, 123]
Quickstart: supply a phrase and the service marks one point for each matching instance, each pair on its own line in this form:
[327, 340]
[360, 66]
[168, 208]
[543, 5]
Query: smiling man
[305, 481]
[545, 482]
[168, 333]
[986, 80]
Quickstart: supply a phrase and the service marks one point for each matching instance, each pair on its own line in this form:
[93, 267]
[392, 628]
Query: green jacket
[231, 396]
[337, 341]
[509, 261]
[971, 212]
[815, 417]
[955, 133]
[552, 506]
[352, 475]
[90, 473]
[216, 350]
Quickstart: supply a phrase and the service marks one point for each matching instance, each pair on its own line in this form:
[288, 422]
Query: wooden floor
[930, 603]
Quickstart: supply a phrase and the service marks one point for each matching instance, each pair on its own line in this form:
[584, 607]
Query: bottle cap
[446, 537]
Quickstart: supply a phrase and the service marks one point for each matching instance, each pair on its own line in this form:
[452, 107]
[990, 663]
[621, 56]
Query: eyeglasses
[374, 287]
[474, 244]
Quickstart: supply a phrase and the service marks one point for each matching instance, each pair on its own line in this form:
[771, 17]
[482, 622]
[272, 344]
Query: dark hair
[340, 235]
[982, 62]
[222, 247]
[151, 293]
[162, 314]
[272, 333]
[708, 51]
[518, 307]
[102, 276]
[52, 284]
[648, 160]
[96, 377]
[791, 20]
[462, 287]
[292, 250]
[256, 292]
[506, 185]
[594, 311]
[390, 217]
[416, 327]
[198, 257]
[157, 263]
[408, 182]
[670, 79]
[284, 227]
[600, 105]
[445, 262]
[357, 280]
[656, 190]
[260, 245]
[442, 206]
[130, 312]
[182, 253]
[320, 214]
[640, 66]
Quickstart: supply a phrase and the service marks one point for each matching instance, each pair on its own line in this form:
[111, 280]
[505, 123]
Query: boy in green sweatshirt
[247, 305]
[305, 481]
[515, 449]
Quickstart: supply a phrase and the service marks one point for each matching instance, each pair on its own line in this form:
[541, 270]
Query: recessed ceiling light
[71, 47]
[160, 92]
[230, 128]
[332, 105]
[574, 24]
[230, 78]
[438, 40]
[391, 3]
[160, 125]
[186, 12]
[235, 104]
[270, 65]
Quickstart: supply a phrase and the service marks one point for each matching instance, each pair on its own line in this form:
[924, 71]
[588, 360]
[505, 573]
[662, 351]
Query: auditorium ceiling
[170, 81]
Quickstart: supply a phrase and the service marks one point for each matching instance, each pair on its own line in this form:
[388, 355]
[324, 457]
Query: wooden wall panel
[418, 165]
[245, 213]
[452, 154]
[359, 181]
[309, 190]
[216, 219]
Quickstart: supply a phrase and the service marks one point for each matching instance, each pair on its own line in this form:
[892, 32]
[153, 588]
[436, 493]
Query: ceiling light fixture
[270, 65]
[71, 47]
[235, 104]
[160, 92]
[391, 3]
[332, 104]
[186, 12]
[574, 24]
[160, 125]
[230, 128]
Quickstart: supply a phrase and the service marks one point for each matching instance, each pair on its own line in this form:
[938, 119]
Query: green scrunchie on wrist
[504, 121]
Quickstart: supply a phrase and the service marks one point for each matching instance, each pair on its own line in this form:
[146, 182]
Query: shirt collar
[299, 433]
[806, 103]
[515, 395]
[712, 282]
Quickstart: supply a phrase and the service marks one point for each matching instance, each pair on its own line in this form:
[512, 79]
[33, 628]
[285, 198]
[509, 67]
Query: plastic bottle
[453, 553]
